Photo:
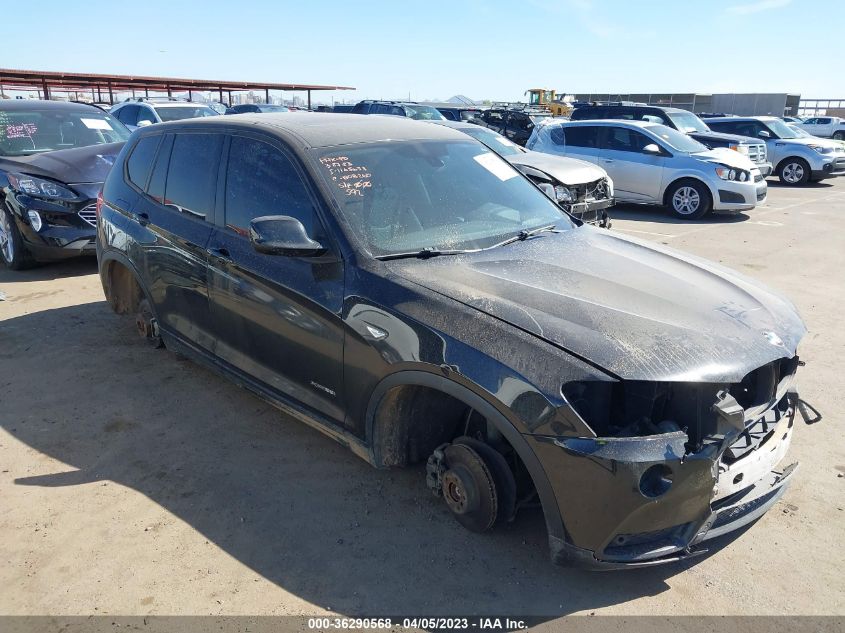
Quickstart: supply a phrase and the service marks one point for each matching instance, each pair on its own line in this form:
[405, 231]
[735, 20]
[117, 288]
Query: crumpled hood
[569, 171]
[78, 165]
[725, 156]
[637, 310]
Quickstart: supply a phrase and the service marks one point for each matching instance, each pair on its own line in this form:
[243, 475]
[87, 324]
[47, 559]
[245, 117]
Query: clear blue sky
[434, 49]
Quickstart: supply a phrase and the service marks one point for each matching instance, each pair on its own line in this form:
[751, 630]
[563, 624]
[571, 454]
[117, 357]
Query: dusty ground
[134, 482]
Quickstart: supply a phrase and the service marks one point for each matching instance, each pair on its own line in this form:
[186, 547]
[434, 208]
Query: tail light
[99, 202]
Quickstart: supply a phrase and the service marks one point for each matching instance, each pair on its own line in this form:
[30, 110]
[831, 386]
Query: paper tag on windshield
[496, 166]
[96, 124]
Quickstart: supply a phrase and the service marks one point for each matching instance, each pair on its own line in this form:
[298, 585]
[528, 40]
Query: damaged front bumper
[642, 501]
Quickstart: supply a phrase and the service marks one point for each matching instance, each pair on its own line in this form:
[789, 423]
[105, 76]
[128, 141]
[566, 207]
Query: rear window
[177, 113]
[140, 161]
[192, 175]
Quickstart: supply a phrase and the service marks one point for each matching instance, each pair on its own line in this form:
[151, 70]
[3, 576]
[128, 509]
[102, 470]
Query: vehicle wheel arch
[410, 378]
[686, 178]
[122, 283]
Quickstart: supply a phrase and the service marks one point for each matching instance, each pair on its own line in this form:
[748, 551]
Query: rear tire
[839, 135]
[794, 172]
[12, 250]
[689, 200]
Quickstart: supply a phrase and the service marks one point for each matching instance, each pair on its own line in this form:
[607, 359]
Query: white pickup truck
[825, 126]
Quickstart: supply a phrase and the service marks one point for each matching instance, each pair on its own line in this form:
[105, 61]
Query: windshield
[24, 132]
[273, 108]
[779, 128]
[496, 142]
[677, 140]
[424, 113]
[445, 195]
[176, 113]
[687, 122]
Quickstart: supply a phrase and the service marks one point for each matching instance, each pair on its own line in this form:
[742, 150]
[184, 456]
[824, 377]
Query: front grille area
[89, 214]
[596, 190]
[757, 153]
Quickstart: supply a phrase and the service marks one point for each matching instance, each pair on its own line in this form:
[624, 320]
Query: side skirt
[306, 416]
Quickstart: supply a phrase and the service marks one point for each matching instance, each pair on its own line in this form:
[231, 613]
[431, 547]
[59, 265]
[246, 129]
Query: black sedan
[54, 157]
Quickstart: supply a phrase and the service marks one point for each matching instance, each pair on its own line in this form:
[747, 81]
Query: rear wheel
[689, 200]
[794, 172]
[839, 135]
[14, 254]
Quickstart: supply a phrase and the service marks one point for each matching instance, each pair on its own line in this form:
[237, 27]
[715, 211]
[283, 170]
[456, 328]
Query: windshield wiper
[524, 235]
[425, 253]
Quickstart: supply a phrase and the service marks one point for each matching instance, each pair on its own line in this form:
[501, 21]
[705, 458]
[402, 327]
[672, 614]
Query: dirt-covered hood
[639, 311]
[569, 171]
[77, 165]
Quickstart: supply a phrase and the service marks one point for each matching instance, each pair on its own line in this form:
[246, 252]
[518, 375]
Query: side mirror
[651, 148]
[764, 134]
[144, 123]
[282, 235]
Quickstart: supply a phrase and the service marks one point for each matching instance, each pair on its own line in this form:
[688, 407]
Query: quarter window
[192, 175]
[128, 114]
[261, 180]
[146, 114]
[140, 162]
[578, 136]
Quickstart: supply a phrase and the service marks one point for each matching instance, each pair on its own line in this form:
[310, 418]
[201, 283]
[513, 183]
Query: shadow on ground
[45, 272]
[284, 500]
[661, 215]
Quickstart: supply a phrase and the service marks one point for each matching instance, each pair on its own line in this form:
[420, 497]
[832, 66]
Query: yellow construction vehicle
[548, 100]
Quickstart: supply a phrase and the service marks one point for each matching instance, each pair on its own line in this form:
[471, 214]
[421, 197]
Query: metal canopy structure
[104, 86]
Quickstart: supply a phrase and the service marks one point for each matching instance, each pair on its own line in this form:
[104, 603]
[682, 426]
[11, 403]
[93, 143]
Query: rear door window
[140, 162]
[624, 140]
[192, 174]
[261, 180]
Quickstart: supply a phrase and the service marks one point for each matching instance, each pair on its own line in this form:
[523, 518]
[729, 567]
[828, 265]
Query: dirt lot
[134, 482]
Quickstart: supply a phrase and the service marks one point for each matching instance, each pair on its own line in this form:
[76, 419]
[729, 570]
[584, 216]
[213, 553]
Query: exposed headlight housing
[34, 220]
[40, 187]
[562, 194]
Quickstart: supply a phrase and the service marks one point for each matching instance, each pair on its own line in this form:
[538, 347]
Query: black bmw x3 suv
[54, 157]
[408, 292]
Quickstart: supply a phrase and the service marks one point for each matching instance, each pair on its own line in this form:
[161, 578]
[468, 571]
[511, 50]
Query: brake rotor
[469, 488]
[502, 476]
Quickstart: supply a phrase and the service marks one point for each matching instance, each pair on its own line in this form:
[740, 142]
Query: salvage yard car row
[418, 292]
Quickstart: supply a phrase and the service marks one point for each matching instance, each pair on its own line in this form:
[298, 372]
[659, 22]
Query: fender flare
[548, 501]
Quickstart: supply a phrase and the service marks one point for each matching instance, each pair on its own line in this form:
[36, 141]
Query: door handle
[220, 253]
[141, 218]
